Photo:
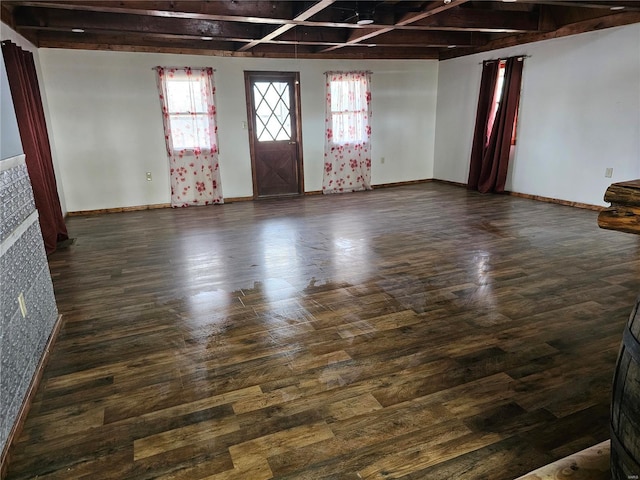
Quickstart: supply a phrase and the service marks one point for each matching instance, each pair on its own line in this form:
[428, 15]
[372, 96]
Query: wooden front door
[273, 108]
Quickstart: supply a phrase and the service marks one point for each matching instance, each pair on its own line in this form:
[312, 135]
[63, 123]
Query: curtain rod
[158, 66]
[519, 57]
[349, 71]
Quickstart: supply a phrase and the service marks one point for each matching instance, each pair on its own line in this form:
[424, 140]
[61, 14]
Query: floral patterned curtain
[347, 146]
[187, 99]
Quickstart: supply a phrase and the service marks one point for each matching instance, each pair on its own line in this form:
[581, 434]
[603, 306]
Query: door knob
[292, 143]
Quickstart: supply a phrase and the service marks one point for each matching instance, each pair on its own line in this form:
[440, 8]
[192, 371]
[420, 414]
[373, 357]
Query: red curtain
[490, 156]
[25, 92]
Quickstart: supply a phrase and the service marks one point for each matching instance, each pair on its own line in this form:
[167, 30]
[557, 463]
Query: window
[273, 119]
[187, 100]
[347, 141]
[349, 108]
[496, 103]
[190, 108]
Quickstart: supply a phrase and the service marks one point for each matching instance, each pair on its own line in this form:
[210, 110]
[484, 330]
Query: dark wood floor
[420, 332]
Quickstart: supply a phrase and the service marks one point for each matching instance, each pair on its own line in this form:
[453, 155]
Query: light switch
[23, 305]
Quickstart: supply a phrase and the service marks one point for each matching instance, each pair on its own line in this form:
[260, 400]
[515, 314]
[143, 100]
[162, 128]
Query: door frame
[248, 76]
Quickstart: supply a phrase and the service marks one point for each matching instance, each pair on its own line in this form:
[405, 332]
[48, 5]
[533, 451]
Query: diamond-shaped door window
[273, 120]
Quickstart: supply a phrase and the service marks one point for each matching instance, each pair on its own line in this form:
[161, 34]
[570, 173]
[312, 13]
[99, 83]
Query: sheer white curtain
[347, 146]
[187, 98]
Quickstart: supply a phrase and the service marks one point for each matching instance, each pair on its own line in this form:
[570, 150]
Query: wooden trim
[464, 185]
[137, 208]
[538, 198]
[586, 206]
[383, 185]
[449, 182]
[400, 184]
[319, 192]
[237, 199]
[119, 209]
[28, 399]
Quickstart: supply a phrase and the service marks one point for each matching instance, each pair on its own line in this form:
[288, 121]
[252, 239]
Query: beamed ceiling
[310, 29]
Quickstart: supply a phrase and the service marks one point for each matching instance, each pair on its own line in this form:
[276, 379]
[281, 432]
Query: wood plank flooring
[417, 332]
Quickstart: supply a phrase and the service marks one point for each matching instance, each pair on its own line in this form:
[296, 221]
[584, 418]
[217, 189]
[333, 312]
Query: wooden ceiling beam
[483, 20]
[590, 25]
[426, 40]
[356, 51]
[395, 37]
[308, 29]
[564, 15]
[432, 8]
[363, 34]
[463, 20]
[6, 15]
[189, 9]
[132, 37]
[628, 5]
[186, 15]
[302, 16]
[441, 39]
[49, 39]
[330, 35]
[59, 20]
[111, 7]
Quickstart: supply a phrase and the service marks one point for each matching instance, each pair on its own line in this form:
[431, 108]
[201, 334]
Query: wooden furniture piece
[589, 464]
[624, 212]
[625, 404]
[624, 215]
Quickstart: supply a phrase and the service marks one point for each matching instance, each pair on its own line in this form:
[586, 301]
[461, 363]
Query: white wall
[7, 33]
[579, 114]
[11, 145]
[108, 129]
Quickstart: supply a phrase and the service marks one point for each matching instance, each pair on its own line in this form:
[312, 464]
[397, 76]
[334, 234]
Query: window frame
[495, 103]
[199, 116]
[360, 136]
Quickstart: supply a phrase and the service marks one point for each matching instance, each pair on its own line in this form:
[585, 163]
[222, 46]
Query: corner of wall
[29, 312]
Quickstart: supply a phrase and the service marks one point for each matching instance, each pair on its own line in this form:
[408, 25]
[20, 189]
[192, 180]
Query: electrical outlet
[608, 172]
[23, 305]
[149, 176]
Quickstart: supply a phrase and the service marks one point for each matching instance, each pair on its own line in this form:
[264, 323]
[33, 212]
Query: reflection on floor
[420, 332]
